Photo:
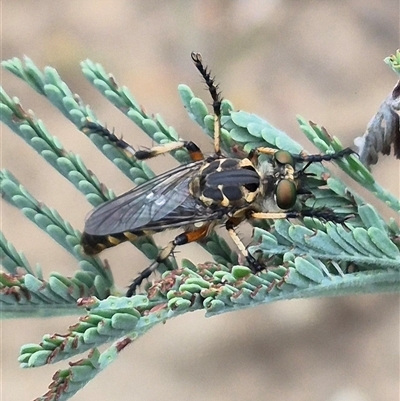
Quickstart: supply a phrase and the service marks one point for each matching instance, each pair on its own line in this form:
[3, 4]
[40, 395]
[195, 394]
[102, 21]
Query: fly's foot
[254, 264]
[326, 214]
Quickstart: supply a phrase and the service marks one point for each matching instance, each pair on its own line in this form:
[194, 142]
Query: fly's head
[280, 180]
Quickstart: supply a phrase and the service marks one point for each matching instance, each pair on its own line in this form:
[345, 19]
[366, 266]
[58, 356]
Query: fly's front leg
[194, 151]
[319, 157]
[216, 97]
[163, 255]
[285, 157]
[316, 158]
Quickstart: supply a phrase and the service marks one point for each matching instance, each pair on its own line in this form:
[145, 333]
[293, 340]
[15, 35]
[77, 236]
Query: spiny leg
[216, 97]
[252, 262]
[253, 154]
[181, 239]
[321, 214]
[230, 226]
[319, 157]
[194, 151]
[314, 158]
[90, 127]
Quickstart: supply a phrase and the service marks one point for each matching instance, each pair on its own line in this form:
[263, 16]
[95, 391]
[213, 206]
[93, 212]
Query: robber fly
[197, 196]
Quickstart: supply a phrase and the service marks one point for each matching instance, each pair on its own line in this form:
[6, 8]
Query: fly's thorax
[226, 183]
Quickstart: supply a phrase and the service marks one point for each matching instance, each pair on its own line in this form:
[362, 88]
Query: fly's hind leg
[195, 153]
[164, 254]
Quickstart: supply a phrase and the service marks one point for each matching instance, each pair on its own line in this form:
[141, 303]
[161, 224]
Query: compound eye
[286, 194]
[284, 157]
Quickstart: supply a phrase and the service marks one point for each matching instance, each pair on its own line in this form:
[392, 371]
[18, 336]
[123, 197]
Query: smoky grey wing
[162, 202]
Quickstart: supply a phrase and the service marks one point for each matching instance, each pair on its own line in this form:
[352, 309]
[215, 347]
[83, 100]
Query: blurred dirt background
[320, 59]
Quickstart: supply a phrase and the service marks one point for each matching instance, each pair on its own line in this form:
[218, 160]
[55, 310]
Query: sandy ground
[319, 59]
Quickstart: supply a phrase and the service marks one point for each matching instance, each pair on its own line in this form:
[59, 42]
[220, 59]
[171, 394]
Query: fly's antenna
[216, 97]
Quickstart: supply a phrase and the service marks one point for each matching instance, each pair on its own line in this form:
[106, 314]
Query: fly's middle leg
[95, 128]
[253, 264]
[194, 151]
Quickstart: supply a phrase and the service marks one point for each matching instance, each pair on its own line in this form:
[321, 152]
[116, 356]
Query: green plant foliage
[310, 258]
[393, 62]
